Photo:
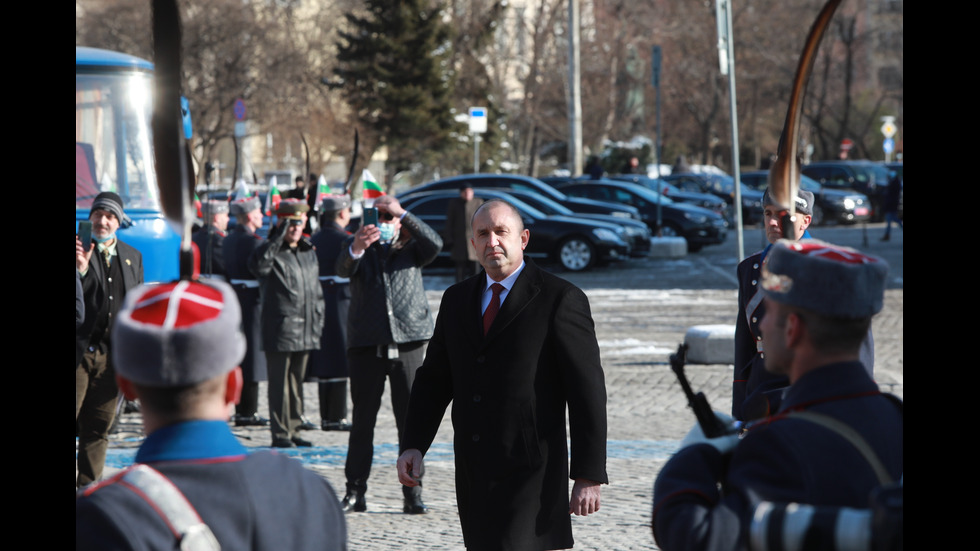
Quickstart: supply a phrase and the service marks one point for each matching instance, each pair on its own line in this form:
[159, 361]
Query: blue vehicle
[114, 152]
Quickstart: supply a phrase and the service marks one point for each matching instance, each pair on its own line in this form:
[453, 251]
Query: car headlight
[849, 203]
[696, 218]
[621, 214]
[606, 235]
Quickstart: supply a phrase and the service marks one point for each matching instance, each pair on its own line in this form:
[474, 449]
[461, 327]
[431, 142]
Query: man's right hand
[81, 256]
[364, 237]
[410, 467]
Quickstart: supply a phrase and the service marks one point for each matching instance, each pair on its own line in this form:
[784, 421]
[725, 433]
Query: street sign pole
[478, 125]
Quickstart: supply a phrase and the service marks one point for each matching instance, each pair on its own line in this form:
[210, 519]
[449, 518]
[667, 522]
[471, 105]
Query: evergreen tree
[393, 69]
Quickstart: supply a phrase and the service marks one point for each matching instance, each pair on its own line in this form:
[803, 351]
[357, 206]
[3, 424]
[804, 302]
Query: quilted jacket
[388, 303]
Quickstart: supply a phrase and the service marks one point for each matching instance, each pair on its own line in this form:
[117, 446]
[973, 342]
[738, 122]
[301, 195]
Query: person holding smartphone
[388, 326]
[108, 269]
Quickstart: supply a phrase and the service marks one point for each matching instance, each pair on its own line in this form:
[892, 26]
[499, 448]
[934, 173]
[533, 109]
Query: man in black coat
[106, 278]
[511, 359]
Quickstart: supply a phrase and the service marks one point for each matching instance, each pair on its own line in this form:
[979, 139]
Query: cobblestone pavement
[642, 310]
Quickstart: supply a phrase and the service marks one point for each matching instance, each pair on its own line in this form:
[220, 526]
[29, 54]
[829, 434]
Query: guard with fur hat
[178, 350]
[210, 238]
[329, 364]
[756, 392]
[292, 317]
[106, 279]
[836, 438]
[238, 247]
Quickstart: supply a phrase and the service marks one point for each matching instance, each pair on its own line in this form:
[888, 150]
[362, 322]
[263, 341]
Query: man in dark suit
[106, 278]
[512, 347]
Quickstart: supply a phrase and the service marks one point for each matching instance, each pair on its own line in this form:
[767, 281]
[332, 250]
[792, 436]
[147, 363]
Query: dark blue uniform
[262, 500]
[330, 361]
[781, 459]
[756, 393]
[237, 247]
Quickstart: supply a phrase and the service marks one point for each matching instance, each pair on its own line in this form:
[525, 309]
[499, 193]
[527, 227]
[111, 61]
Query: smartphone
[370, 217]
[85, 234]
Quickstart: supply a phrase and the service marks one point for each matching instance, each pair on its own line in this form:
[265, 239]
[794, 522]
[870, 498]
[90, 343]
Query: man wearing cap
[178, 348]
[209, 240]
[835, 439]
[459, 233]
[329, 363]
[106, 279]
[238, 246]
[292, 317]
[757, 392]
[389, 325]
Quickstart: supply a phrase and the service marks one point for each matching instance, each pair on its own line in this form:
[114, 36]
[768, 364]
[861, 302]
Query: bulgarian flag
[272, 198]
[322, 190]
[371, 188]
[242, 191]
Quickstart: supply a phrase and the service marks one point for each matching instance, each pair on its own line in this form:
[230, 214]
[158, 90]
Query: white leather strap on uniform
[173, 507]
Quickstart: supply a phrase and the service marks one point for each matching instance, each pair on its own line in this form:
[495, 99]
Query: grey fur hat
[245, 206]
[827, 279]
[804, 201]
[177, 334]
[214, 206]
[335, 202]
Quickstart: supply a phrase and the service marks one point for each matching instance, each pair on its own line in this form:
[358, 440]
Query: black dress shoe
[414, 506]
[300, 442]
[306, 424]
[250, 420]
[343, 424]
[282, 443]
[354, 502]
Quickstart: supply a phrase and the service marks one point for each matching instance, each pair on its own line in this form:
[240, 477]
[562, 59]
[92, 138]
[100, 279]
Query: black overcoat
[510, 390]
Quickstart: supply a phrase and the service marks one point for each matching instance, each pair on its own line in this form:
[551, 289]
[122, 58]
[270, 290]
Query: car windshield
[112, 139]
[809, 184]
[544, 204]
[651, 195]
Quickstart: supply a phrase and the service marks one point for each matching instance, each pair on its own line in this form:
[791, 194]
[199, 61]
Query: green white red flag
[272, 198]
[322, 190]
[372, 190]
[242, 191]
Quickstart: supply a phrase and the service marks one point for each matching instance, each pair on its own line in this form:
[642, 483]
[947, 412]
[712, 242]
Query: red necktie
[493, 307]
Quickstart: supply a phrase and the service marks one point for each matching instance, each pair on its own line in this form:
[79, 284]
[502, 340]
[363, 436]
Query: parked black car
[514, 181]
[575, 243]
[704, 200]
[638, 234]
[831, 205]
[698, 226]
[723, 186]
[865, 177]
